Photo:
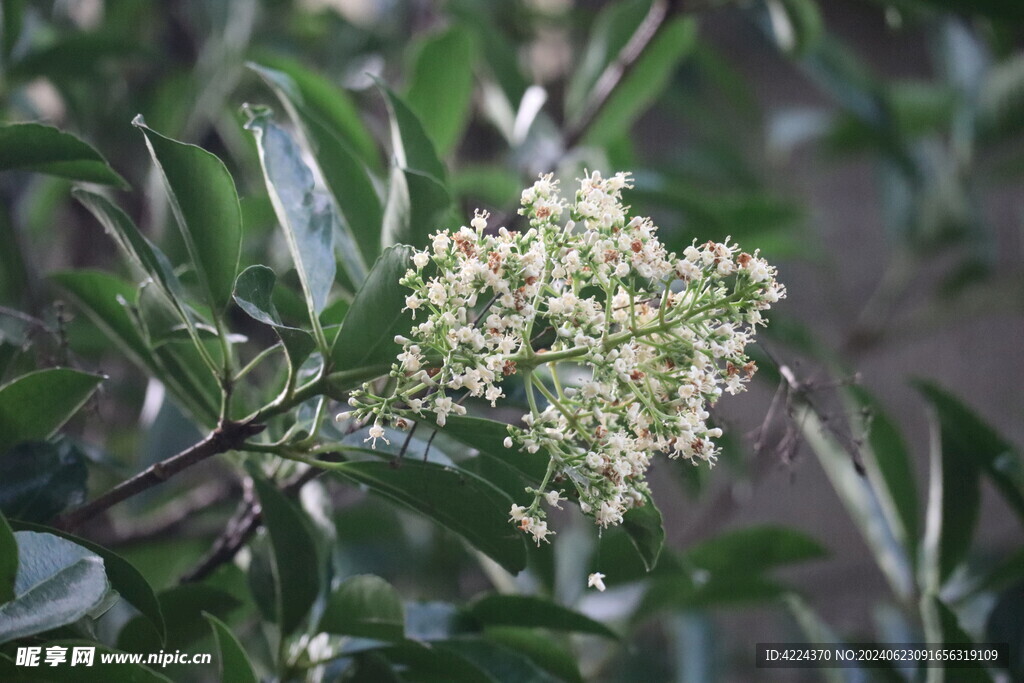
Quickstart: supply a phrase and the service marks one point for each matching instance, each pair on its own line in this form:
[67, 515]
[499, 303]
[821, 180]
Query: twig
[619, 68]
[227, 437]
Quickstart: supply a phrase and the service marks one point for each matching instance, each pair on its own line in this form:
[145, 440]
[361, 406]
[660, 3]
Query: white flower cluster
[658, 338]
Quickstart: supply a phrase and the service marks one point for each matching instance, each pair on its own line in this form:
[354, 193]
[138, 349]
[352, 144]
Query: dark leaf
[411, 147]
[644, 528]
[8, 561]
[35, 147]
[39, 480]
[417, 205]
[533, 612]
[365, 606]
[36, 405]
[234, 663]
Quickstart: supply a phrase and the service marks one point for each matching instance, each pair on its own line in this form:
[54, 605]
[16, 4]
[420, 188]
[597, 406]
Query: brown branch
[226, 437]
[620, 67]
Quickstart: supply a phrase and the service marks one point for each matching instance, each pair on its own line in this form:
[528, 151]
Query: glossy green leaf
[644, 528]
[306, 216]
[645, 82]
[417, 206]
[102, 297]
[97, 673]
[205, 203]
[8, 561]
[753, 549]
[44, 149]
[441, 85]
[39, 480]
[254, 290]
[342, 170]
[365, 606]
[234, 662]
[455, 499]
[321, 100]
[58, 583]
[123, 576]
[533, 612]
[296, 565]
[367, 335]
[410, 146]
[34, 406]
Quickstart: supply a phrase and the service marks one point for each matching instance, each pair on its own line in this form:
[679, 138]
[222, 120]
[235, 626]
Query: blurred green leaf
[78, 56]
[39, 480]
[683, 592]
[496, 186]
[942, 626]
[1001, 101]
[343, 171]
[753, 549]
[425, 663]
[123, 576]
[8, 561]
[205, 203]
[860, 501]
[639, 88]
[184, 608]
[455, 499]
[43, 149]
[58, 583]
[644, 528]
[889, 466]
[122, 673]
[533, 612]
[365, 606]
[34, 406]
[306, 216]
[296, 565]
[963, 449]
[367, 334]
[498, 662]
[441, 85]
[539, 649]
[797, 24]
[997, 10]
[234, 662]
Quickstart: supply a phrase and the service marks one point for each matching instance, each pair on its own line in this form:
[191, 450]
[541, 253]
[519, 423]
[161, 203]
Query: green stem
[259, 358]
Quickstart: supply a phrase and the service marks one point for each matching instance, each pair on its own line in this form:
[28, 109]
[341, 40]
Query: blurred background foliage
[872, 149]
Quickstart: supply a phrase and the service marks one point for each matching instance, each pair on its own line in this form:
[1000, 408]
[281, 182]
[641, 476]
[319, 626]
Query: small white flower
[376, 432]
[507, 442]
[553, 498]
[596, 580]
[420, 259]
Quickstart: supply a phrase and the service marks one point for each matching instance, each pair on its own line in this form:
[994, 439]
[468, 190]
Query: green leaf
[102, 297]
[417, 205]
[342, 170]
[367, 335]
[123, 576]
[184, 608]
[57, 583]
[889, 467]
[540, 649]
[307, 217]
[753, 549]
[860, 501]
[410, 146]
[645, 82]
[488, 436]
[322, 101]
[430, 664]
[441, 85]
[534, 612]
[205, 203]
[234, 662]
[365, 606]
[966, 437]
[122, 673]
[8, 561]
[455, 499]
[797, 25]
[682, 592]
[644, 528]
[139, 251]
[497, 661]
[36, 405]
[44, 149]
[254, 290]
[39, 480]
[296, 565]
